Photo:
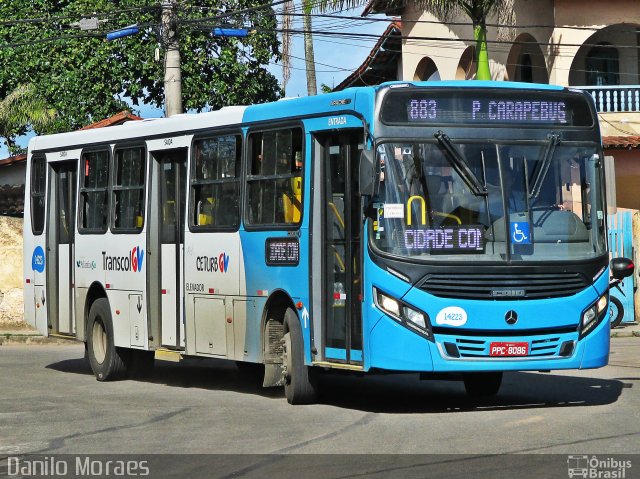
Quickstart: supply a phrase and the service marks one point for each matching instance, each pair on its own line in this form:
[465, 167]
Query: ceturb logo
[124, 263]
[213, 264]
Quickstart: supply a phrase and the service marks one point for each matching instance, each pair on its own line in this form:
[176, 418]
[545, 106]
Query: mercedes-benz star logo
[511, 317]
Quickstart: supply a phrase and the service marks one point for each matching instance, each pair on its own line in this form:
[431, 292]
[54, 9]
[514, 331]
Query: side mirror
[621, 268]
[367, 173]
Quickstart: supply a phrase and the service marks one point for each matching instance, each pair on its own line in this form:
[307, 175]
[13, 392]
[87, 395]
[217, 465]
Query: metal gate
[621, 245]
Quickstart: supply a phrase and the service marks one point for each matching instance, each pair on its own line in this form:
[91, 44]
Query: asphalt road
[51, 404]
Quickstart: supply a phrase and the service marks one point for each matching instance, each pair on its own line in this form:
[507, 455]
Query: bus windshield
[487, 201]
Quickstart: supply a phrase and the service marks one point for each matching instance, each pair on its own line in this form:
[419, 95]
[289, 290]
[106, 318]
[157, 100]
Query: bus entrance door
[60, 248]
[166, 235]
[341, 249]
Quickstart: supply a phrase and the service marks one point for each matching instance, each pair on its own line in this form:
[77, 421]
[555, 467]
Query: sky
[336, 58]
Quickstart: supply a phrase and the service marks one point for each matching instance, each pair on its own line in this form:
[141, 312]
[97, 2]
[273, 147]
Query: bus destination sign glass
[486, 108]
[453, 239]
[282, 251]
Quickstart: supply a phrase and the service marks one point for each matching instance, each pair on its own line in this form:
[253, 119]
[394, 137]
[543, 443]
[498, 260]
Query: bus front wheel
[300, 381]
[482, 384]
[107, 361]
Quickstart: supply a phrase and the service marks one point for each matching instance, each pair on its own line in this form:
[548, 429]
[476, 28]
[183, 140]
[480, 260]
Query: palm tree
[476, 10]
[310, 65]
[20, 110]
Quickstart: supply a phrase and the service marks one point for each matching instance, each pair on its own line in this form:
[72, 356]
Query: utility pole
[172, 72]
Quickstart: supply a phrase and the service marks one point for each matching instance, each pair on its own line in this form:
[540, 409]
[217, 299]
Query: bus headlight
[388, 304]
[415, 317]
[406, 315]
[592, 316]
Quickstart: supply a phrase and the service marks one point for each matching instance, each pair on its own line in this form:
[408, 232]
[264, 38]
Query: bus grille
[503, 286]
[477, 348]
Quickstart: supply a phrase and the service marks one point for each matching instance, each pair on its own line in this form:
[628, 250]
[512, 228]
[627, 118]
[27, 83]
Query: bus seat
[291, 203]
[205, 212]
[291, 208]
[139, 221]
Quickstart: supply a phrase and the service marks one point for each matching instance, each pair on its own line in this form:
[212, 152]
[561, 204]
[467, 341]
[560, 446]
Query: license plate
[509, 349]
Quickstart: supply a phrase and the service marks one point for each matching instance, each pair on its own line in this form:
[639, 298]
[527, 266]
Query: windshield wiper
[543, 165]
[460, 165]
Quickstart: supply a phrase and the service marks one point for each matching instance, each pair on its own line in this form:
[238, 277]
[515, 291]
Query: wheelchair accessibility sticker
[520, 233]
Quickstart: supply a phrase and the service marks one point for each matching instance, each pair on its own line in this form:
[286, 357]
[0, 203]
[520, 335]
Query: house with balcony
[592, 45]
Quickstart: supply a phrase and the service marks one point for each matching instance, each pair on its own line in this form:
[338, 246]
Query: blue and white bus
[443, 228]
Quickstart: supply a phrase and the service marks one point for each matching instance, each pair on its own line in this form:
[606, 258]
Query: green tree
[20, 110]
[87, 78]
[476, 10]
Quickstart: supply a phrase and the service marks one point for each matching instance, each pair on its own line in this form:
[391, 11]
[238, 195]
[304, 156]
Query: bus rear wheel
[482, 384]
[300, 381]
[107, 361]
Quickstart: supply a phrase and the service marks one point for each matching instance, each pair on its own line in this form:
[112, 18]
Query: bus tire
[482, 384]
[107, 361]
[616, 311]
[300, 381]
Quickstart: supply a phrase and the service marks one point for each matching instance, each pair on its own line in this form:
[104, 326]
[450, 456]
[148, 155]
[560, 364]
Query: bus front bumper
[394, 347]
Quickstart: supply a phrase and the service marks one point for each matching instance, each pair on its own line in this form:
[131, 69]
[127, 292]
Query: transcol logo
[124, 263]
[213, 264]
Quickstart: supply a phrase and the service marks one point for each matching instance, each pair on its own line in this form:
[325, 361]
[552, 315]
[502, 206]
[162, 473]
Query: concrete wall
[11, 274]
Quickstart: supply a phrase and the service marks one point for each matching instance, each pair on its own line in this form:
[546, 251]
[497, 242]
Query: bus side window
[128, 189]
[215, 182]
[38, 176]
[275, 184]
[94, 199]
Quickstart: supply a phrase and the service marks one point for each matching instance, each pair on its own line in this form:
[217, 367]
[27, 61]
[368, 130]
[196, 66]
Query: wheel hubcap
[99, 341]
[286, 360]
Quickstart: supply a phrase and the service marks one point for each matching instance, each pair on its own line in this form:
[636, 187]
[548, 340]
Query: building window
[215, 183]
[38, 188]
[274, 183]
[602, 65]
[128, 189]
[526, 69]
[94, 200]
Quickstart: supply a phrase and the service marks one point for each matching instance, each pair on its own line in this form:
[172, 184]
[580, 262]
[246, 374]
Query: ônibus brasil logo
[124, 263]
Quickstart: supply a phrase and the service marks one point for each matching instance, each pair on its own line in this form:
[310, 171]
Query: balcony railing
[614, 98]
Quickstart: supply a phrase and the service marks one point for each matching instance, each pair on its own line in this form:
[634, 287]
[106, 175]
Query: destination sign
[453, 239]
[435, 106]
[282, 251]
